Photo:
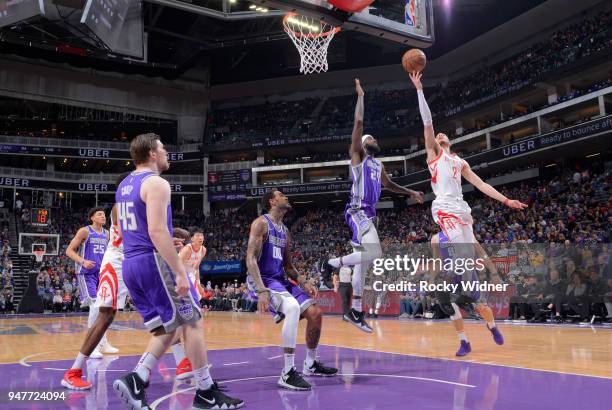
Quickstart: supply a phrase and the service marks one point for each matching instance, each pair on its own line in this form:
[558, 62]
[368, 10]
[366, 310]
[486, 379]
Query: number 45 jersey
[132, 213]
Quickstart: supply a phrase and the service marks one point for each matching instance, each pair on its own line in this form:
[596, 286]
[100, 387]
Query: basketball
[414, 60]
[269, 213]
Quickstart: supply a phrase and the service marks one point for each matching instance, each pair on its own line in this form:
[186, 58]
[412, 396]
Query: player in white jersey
[192, 255]
[111, 295]
[449, 210]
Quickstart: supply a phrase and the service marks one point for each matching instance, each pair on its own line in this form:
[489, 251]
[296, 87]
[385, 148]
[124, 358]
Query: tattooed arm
[259, 230]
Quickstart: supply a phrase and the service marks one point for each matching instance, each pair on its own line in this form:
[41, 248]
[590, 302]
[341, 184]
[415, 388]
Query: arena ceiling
[242, 49]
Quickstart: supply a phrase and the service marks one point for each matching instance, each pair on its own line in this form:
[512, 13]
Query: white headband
[365, 137]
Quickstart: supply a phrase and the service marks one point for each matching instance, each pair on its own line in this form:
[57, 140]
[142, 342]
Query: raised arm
[398, 189]
[259, 230]
[487, 189]
[355, 150]
[432, 148]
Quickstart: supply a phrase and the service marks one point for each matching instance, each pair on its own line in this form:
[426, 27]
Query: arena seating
[394, 109]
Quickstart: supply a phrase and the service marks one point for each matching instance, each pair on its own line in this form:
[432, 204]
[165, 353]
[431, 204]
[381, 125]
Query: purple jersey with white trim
[365, 191]
[93, 250]
[132, 213]
[270, 259]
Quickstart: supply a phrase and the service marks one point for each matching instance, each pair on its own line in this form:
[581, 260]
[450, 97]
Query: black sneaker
[293, 381]
[356, 319]
[317, 369]
[213, 398]
[131, 390]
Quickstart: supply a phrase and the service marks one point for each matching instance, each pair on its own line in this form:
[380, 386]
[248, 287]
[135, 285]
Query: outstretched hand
[358, 88]
[418, 196]
[514, 204]
[416, 79]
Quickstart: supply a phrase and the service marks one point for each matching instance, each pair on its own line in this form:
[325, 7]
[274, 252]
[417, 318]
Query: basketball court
[403, 364]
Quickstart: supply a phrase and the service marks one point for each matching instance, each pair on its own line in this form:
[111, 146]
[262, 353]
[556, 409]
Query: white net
[311, 37]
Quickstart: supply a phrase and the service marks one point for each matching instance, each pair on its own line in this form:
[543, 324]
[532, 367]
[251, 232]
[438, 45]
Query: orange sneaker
[184, 370]
[72, 380]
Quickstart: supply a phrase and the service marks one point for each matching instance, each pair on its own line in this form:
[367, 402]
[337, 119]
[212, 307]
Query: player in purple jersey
[445, 250]
[87, 249]
[275, 281]
[368, 175]
[156, 279]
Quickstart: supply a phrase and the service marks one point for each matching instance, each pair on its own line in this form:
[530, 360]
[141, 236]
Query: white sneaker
[110, 349]
[96, 354]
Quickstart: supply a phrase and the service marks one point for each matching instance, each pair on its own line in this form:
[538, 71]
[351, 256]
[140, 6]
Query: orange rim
[299, 34]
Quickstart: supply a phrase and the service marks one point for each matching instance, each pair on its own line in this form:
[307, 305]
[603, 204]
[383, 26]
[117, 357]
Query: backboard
[408, 22]
[29, 243]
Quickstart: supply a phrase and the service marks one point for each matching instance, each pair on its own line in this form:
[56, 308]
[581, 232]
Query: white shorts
[112, 291]
[454, 218]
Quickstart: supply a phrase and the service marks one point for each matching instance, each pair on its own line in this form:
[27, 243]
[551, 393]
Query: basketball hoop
[311, 37]
[39, 255]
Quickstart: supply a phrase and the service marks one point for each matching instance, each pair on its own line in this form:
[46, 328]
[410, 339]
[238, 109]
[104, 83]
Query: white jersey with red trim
[445, 172]
[194, 259]
[112, 291]
[449, 205]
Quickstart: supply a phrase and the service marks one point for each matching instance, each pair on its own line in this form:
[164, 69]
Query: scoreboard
[40, 217]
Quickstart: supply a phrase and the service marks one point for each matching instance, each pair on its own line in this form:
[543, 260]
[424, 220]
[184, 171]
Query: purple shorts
[280, 288]
[360, 221]
[88, 288]
[151, 285]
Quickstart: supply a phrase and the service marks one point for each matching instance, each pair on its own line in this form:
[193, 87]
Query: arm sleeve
[424, 108]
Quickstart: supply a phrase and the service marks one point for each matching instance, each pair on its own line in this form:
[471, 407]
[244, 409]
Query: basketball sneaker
[184, 370]
[72, 380]
[108, 348]
[213, 398]
[464, 348]
[356, 319]
[317, 369]
[497, 336]
[96, 354]
[131, 390]
[293, 380]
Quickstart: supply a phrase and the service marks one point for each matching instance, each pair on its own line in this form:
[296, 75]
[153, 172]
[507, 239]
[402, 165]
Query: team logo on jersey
[186, 311]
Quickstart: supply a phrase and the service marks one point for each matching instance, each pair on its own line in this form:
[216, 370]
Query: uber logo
[518, 148]
[96, 153]
[14, 181]
[175, 156]
[93, 187]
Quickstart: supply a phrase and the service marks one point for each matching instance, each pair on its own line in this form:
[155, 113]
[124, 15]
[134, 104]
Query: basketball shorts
[151, 285]
[112, 291]
[360, 223]
[279, 290]
[88, 287]
[454, 216]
